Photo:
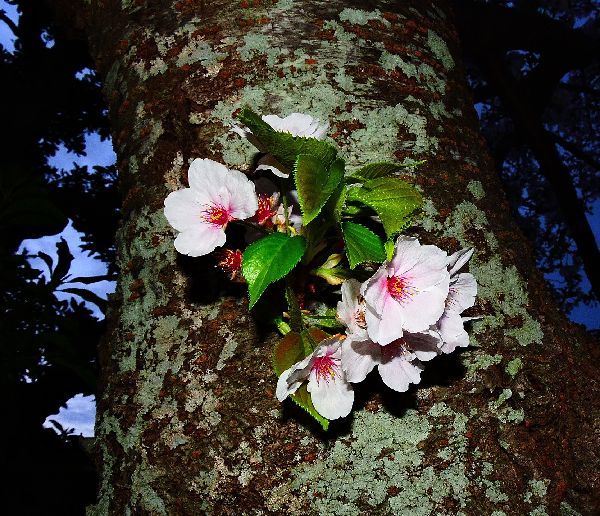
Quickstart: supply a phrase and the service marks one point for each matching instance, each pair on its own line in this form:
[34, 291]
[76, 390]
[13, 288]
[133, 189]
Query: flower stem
[251, 225]
[286, 215]
[293, 307]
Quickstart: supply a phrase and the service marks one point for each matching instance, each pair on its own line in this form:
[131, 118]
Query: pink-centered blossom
[408, 293]
[297, 124]
[200, 213]
[330, 392]
[461, 295]
[399, 363]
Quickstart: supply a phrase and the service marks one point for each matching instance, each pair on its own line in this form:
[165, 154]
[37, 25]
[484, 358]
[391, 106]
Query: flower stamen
[216, 215]
[230, 261]
[399, 288]
[266, 210]
[359, 318]
[325, 367]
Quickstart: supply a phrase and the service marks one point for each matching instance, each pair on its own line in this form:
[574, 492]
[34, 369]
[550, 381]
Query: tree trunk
[187, 419]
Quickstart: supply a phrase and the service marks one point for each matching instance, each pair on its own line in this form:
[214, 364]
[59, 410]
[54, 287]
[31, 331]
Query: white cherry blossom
[297, 124]
[408, 293]
[399, 363]
[461, 295]
[200, 213]
[331, 394]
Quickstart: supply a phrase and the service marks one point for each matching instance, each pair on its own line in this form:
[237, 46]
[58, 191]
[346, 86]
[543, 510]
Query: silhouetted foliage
[534, 67]
[49, 346]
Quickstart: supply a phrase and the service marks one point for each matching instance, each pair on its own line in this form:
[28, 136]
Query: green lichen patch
[479, 361]
[514, 366]
[383, 455]
[360, 17]
[505, 292]
[503, 412]
[476, 189]
[537, 490]
[354, 475]
[440, 50]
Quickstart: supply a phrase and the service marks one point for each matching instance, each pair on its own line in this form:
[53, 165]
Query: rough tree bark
[187, 420]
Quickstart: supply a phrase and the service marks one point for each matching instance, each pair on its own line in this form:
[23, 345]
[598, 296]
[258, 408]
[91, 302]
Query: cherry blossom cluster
[407, 313]
[401, 302]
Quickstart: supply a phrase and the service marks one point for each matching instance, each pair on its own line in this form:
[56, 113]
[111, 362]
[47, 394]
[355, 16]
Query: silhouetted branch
[11, 24]
[575, 151]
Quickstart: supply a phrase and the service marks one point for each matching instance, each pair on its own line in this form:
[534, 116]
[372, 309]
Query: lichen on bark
[187, 418]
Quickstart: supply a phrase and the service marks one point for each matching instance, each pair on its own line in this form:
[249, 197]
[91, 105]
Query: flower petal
[458, 259]
[332, 398]
[388, 326]
[375, 290]
[297, 124]
[206, 177]
[425, 308]
[291, 379]
[453, 333]
[359, 359]
[399, 373]
[424, 345]
[200, 240]
[183, 209]
[349, 310]
[268, 162]
[463, 290]
[407, 253]
[214, 183]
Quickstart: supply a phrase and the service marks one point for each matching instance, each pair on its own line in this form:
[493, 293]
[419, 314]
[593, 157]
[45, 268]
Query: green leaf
[283, 146]
[362, 245]
[389, 250]
[375, 170]
[392, 199]
[287, 352]
[270, 259]
[315, 183]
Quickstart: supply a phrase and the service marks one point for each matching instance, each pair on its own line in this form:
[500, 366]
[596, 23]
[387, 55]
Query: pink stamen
[325, 367]
[266, 210]
[216, 215]
[399, 288]
[230, 261]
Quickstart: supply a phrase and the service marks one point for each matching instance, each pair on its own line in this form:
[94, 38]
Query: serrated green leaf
[287, 352]
[282, 145]
[362, 245]
[375, 170]
[392, 199]
[315, 183]
[270, 259]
